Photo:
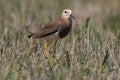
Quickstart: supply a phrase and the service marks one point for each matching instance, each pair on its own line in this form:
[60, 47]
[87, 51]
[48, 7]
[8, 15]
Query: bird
[55, 30]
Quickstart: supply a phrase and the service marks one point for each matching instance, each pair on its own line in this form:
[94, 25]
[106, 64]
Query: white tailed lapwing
[55, 30]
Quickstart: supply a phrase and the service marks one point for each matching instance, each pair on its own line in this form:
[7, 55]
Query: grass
[88, 53]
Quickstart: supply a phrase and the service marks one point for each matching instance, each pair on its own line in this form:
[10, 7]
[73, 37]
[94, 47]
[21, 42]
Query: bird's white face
[67, 13]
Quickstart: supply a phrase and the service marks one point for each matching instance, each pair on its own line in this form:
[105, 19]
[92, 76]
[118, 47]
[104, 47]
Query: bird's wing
[49, 29]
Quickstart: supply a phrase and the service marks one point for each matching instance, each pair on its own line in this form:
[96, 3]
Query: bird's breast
[64, 32]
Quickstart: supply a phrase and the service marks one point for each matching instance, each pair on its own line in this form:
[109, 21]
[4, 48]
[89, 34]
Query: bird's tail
[30, 36]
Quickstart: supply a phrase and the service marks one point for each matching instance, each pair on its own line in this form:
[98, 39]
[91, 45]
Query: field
[90, 52]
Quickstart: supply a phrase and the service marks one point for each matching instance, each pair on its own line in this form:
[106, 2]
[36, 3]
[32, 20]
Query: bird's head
[67, 13]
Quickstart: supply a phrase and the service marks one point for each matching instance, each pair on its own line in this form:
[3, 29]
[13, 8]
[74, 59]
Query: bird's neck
[66, 20]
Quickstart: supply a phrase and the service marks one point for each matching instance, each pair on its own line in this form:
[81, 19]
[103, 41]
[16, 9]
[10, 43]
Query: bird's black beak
[72, 16]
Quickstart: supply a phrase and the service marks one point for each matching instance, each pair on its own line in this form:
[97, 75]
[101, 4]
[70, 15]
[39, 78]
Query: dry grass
[88, 53]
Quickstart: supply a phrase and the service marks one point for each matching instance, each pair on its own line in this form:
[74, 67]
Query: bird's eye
[65, 11]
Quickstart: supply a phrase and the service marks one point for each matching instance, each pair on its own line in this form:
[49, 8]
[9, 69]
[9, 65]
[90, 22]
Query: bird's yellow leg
[54, 55]
[47, 54]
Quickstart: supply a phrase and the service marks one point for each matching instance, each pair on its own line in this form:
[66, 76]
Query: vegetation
[90, 52]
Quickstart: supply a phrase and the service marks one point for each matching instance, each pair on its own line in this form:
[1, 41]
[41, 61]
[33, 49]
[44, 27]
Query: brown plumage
[56, 29]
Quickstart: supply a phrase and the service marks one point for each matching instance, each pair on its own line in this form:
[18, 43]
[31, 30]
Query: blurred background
[35, 13]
